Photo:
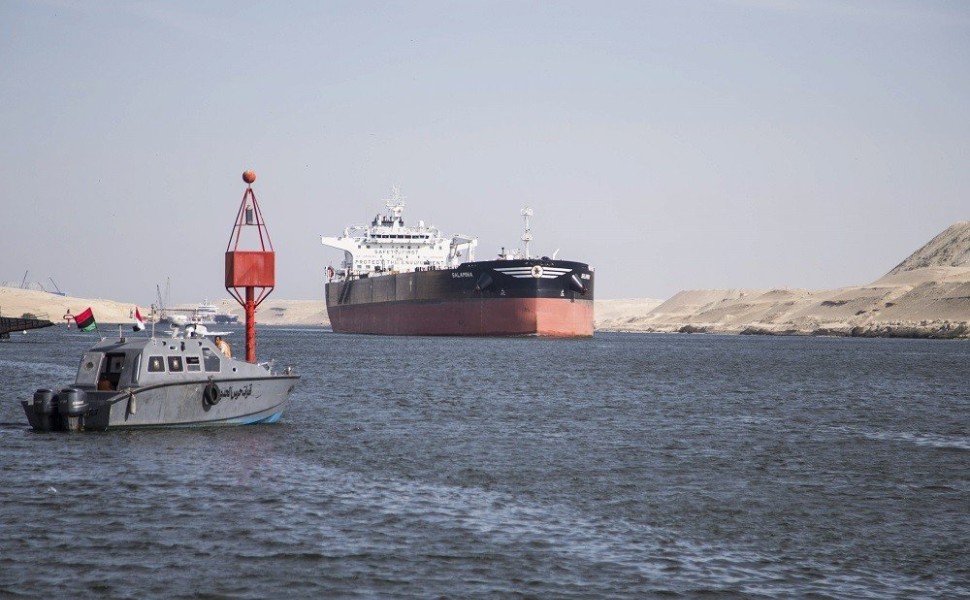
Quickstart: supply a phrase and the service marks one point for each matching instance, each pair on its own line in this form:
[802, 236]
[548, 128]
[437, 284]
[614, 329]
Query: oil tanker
[413, 280]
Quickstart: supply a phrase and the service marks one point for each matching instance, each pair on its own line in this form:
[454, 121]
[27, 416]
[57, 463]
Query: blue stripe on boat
[258, 420]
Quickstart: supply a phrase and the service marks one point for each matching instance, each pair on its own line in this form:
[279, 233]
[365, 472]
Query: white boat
[195, 330]
[161, 382]
[203, 314]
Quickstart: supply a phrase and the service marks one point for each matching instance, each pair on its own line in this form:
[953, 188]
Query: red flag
[85, 320]
[139, 322]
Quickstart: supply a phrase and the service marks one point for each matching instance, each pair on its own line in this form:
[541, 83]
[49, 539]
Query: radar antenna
[395, 204]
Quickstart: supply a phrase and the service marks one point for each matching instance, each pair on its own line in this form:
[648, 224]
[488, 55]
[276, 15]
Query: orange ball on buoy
[249, 176]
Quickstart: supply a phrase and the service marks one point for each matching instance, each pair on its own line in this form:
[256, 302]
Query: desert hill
[14, 302]
[951, 248]
[927, 295]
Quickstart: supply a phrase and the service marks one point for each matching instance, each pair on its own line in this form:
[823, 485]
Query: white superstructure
[205, 312]
[388, 246]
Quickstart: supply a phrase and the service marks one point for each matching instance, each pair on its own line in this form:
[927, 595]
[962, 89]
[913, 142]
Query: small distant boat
[161, 382]
[200, 330]
[203, 314]
[196, 330]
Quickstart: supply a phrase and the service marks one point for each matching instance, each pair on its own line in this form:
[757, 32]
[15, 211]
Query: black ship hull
[485, 298]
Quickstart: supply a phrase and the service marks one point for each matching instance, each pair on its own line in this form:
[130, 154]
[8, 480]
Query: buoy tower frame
[247, 270]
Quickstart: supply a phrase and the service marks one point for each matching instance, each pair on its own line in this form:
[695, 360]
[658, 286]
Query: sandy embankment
[927, 295]
[15, 301]
[615, 315]
[932, 302]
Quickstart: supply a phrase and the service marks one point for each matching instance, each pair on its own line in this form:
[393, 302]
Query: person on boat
[223, 345]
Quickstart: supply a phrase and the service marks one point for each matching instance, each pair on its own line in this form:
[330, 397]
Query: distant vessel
[198, 330]
[207, 314]
[402, 280]
[203, 314]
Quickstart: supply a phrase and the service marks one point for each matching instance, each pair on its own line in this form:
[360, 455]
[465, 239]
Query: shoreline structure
[925, 296]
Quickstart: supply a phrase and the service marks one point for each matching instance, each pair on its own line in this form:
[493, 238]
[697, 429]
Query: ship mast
[396, 205]
[527, 236]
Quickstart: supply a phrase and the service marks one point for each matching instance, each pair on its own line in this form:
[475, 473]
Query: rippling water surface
[623, 466]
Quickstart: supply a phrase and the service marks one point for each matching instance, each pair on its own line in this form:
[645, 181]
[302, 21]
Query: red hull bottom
[493, 316]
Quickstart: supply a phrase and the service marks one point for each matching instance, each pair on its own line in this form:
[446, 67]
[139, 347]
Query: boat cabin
[120, 363]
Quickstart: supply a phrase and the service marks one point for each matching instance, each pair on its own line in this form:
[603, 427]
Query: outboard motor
[72, 404]
[43, 409]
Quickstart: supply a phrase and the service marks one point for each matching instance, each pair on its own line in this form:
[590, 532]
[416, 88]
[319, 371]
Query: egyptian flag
[85, 320]
[139, 322]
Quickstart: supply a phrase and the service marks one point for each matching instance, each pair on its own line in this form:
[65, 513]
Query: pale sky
[669, 144]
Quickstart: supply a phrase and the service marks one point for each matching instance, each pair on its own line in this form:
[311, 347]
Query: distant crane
[23, 284]
[162, 301]
[58, 292]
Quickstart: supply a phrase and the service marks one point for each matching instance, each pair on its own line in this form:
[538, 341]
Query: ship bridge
[387, 245]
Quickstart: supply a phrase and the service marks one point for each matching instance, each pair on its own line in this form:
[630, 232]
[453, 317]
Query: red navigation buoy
[247, 270]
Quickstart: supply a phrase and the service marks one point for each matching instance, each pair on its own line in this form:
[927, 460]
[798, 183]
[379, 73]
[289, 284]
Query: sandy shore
[931, 302]
[927, 295]
[15, 301]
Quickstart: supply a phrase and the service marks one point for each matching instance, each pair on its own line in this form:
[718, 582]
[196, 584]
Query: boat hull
[473, 317]
[182, 404]
[490, 298]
